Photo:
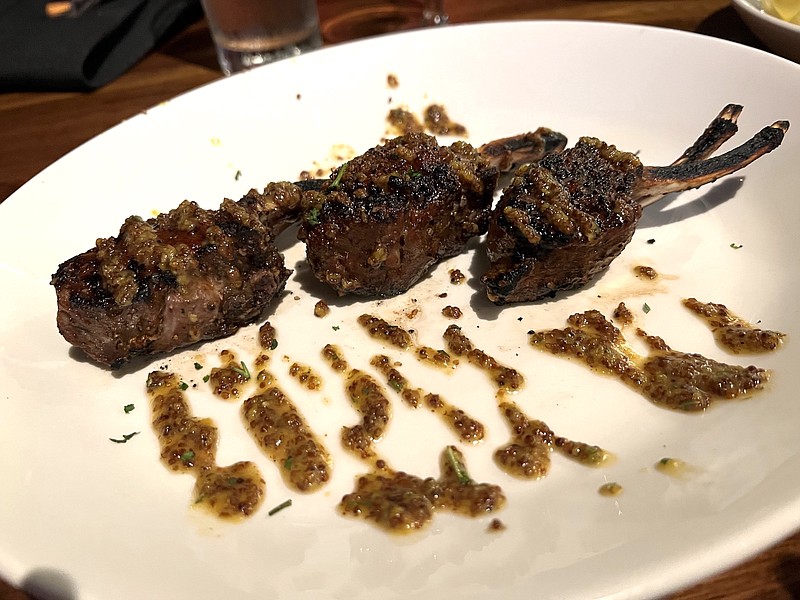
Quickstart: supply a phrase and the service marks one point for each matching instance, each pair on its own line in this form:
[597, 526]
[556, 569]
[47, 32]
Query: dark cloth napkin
[82, 53]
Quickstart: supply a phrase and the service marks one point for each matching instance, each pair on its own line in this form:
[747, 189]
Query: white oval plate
[779, 35]
[85, 517]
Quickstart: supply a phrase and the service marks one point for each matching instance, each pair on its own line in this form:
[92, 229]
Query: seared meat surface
[375, 228]
[387, 216]
[394, 211]
[564, 220]
[193, 274]
[187, 275]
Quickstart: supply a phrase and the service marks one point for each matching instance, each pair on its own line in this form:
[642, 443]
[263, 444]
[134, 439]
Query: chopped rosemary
[280, 507]
[458, 466]
[243, 371]
[339, 174]
[125, 437]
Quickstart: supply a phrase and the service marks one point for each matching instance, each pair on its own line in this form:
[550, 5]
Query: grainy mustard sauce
[402, 339]
[733, 332]
[505, 378]
[667, 377]
[279, 429]
[460, 423]
[527, 455]
[189, 445]
[398, 501]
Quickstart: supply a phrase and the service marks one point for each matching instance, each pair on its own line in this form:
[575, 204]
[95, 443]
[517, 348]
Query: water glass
[248, 33]
[376, 17]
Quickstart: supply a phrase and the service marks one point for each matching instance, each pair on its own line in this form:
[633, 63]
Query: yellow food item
[788, 10]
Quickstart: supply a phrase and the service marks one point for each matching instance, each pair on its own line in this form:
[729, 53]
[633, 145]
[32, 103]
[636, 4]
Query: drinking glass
[375, 17]
[248, 33]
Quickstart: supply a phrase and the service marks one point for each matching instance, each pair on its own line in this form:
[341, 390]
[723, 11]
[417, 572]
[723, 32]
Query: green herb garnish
[206, 378]
[736, 246]
[187, 456]
[646, 308]
[237, 176]
[198, 366]
[243, 371]
[339, 174]
[183, 386]
[312, 216]
[287, 464]
[459, 468]
[273, 344]
[335, 327]
[128, 408]
[125, 437]
[280, 507]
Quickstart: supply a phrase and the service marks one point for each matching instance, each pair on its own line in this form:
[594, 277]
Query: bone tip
[731, 112]
[782, 125]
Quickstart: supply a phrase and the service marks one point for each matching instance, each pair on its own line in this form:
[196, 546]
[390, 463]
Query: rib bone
[719, 131]
[659, 181]
[564, 220]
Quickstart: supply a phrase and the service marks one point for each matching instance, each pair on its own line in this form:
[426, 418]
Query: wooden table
[38, 128]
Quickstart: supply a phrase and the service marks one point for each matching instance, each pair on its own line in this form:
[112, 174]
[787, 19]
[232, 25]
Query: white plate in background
[780, 36]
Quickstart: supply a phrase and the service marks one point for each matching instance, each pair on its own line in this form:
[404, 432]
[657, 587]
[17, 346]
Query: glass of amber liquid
[249, 33]
[376, 17]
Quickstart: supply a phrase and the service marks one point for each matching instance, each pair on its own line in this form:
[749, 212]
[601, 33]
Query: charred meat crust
[561, 221]
[388, 215]
[187, 275]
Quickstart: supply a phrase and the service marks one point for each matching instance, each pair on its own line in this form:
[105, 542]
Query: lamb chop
[193, 274]
[187, 275]
[562, 221]
[386, 217]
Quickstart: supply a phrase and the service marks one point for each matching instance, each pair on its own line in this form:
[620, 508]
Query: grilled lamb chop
[562, 221]
[386, 217]
[193, 274]
[187, 275]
